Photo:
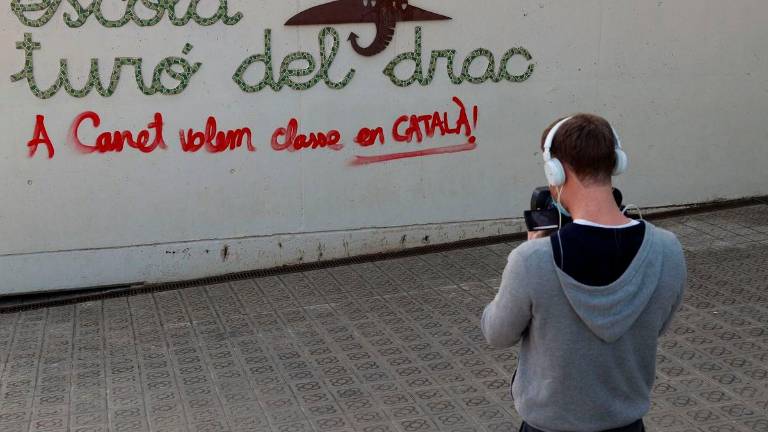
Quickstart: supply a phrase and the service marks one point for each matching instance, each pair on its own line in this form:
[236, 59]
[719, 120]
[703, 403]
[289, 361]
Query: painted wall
[685, 82]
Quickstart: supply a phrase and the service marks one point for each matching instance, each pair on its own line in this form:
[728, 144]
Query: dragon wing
[413, 13]
[354, 11]
[335, 12]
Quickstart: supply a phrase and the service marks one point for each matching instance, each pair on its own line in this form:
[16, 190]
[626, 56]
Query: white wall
[685, 82]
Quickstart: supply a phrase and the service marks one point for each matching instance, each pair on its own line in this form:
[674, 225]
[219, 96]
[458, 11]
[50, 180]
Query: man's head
[586, 147]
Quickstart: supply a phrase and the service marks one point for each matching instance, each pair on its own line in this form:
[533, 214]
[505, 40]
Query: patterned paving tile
[388, 346]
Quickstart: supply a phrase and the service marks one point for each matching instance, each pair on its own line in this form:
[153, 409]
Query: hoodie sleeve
[671, 317]
[507, 317]
[681, 264]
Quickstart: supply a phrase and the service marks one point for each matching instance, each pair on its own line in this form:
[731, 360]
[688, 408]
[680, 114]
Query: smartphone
[544, 216]
[542, 220]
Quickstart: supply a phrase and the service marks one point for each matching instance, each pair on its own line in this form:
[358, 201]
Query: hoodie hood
[610, 311]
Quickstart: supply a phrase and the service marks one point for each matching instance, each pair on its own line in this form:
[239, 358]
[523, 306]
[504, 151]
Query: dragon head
[391, 4]
[385, 14]
[400, 4]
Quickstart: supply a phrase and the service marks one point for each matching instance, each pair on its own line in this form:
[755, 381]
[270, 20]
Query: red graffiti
[367, 160]
[367, 137]
[40, 136]
[415, 127]
[215, 141]
[429, 124]
[292, 140]
[115, 141]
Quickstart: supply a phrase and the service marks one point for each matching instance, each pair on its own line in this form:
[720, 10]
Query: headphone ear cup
[622, 162]
[554, 172]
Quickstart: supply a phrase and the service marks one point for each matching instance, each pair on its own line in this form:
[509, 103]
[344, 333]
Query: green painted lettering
[489, 74]
[156, 8]
[176, 68]
[287, 73]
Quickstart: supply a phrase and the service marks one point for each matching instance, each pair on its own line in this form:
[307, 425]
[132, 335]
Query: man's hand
[533, 235]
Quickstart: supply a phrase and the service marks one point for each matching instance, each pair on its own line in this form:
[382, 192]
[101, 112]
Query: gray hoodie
[588, 355]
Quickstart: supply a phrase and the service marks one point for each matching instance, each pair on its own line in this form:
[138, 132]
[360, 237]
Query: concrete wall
[685, 82]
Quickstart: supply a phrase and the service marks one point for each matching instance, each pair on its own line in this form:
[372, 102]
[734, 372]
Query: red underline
[367, 160]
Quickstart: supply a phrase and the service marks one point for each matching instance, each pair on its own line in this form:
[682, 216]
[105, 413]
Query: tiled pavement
[385, 346]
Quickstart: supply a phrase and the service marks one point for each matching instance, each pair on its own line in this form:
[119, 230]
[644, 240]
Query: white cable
[629, 206]
[560, 227]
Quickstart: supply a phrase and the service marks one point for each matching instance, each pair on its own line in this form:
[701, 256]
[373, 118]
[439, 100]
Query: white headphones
[553, 168]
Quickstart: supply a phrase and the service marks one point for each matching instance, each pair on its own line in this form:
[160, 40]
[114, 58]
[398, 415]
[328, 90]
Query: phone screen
[541, 220]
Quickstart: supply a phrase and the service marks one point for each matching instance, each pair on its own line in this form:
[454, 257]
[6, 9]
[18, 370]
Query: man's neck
[596, 204]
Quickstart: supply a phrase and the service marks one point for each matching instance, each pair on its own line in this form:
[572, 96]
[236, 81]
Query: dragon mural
[385, 14]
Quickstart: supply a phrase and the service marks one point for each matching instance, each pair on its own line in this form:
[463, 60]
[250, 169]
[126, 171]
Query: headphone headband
[553, 132]
[551, 138]
[618, 140]
[553, 168]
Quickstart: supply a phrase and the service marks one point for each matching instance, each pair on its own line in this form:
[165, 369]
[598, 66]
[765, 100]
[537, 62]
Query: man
[590, 302]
